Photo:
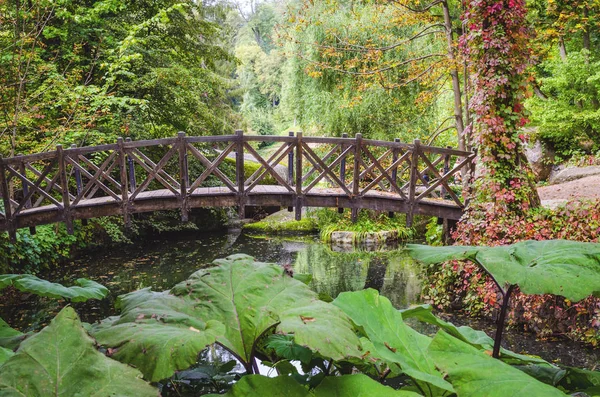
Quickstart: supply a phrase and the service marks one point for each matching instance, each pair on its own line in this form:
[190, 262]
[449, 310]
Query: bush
[462, 285]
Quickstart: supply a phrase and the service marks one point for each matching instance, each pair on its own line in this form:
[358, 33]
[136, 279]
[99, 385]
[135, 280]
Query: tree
[497, 48]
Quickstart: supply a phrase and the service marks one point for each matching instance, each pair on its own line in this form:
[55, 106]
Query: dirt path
[588, 187]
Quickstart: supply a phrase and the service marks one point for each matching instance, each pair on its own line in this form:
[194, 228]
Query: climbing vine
[496, 45]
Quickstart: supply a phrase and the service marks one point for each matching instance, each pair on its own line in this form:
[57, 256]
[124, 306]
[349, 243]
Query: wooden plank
[62, 169]
[207, 163]
[162, 176]
[298, 198]
[317, 162]
[30, 158]
[267, 168]
[356, 176]
[240, 176]
[414, 170]
[183, 175]
[153, 173]
[123, 176]
[271, 170]
[6, 200]
[94, 180]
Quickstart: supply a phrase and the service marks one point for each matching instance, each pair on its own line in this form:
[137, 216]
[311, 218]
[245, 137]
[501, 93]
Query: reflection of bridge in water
[187, 172]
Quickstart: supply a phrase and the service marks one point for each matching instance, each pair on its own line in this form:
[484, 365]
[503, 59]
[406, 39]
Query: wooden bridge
[188, 172]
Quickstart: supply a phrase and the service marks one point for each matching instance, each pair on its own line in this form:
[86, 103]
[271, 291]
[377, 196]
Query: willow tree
[403, 50]
[496, 45]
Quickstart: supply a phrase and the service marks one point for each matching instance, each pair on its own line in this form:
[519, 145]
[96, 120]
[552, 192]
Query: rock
[573, 173]
[541, 160]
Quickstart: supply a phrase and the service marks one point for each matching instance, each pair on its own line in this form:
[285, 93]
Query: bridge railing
[119, 176]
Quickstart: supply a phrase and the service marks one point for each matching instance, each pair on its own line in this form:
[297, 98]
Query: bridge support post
[239, 173]
[342, 168]
[356, 178]
[183, 176]
[64, 183]
[394, 171]
[414, 177]
[78, 182]
[22, 171]
[12, 233]
[124, 182]
[298, 203]
[291, 167]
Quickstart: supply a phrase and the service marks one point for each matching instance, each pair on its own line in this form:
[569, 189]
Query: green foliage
[62, 360]
[474, 373]
[570, 120]
[391, 340]
[560, 267]
[463, 285]
[350, 385]
[434, 233]
[329, 221]
[83, 290]
[9, 338]
[243, 300]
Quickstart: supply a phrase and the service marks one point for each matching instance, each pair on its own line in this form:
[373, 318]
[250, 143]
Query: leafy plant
[567, 268]
[62, 360]
[350, 385]
[391, 340]
[83, 290]
[234, 304]
[473, 373]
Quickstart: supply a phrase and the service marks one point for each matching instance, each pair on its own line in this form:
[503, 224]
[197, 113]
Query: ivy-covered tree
[496, 45]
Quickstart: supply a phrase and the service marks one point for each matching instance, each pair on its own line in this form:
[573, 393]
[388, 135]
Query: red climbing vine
[496, 45]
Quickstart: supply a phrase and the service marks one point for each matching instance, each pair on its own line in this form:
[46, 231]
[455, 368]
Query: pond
[162, 261]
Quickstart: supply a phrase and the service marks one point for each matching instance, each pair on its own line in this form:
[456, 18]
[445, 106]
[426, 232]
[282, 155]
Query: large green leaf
[61, 360]
[332, 386]
[560, 267]
[478, 339]
[157, 332]
[475, 374]
[393, 340]
[249, 298]
[10, 338]
[83, 290]
[5, 354]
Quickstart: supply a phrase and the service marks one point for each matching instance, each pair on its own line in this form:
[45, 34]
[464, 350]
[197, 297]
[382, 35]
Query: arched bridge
[213, 171]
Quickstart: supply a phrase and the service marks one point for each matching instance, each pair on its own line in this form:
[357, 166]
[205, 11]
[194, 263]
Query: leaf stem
[500, 326]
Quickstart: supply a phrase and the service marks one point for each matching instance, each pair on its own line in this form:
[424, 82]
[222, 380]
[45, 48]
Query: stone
[573, 173]
[541, 160]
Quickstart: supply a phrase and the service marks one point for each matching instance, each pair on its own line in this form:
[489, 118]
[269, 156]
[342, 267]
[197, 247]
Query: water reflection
[393, 273]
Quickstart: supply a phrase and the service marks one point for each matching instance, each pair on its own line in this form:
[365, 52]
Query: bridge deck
[261, 195]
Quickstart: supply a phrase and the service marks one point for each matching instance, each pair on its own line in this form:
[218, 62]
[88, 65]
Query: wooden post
[239, 173]
[78, 184]
[291, 167]
[124, 183]
[183, 176]
[342, 168]
[443, 193]
[299, 176]
[414, 177]
[131, 166]
[12, 233]
[356, 177]
[64, 183]
[394, 170]
[22, 171]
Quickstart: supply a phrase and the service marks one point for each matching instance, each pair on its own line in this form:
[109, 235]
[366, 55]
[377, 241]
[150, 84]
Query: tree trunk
[562, 50]
[458, 114]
